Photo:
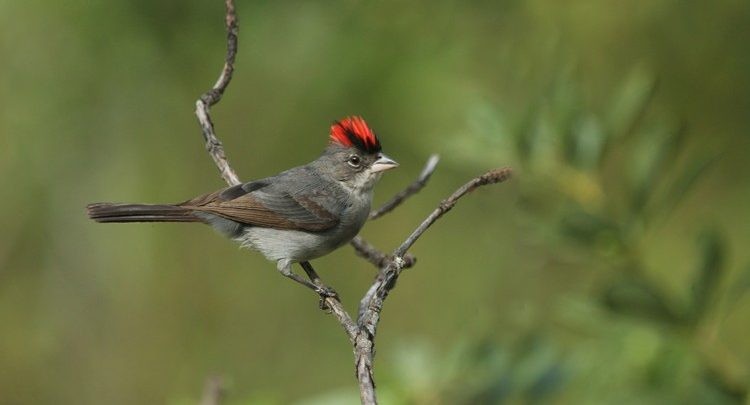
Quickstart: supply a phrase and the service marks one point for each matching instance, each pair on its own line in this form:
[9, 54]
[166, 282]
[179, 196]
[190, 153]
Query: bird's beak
[383, 163]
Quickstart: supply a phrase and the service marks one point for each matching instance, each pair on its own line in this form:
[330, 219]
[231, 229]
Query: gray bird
[298, 215]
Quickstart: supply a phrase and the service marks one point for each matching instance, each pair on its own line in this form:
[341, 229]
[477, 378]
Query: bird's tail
[108, 212]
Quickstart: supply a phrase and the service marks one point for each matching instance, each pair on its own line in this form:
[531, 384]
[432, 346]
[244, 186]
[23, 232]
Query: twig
[491, 177]
[372, 303]
[412, 189]
[337, 310]
[370, 252]
[214, 391]
[379, 259]
[362, 332]
[212, 96]
[405, 260]
[215, 149]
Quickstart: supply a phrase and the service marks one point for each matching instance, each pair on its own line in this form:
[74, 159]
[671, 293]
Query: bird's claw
[325, 293]
[323, 305]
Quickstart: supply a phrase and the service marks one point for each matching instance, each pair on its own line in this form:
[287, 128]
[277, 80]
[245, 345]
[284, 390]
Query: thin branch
[364, 303]
[491, 177]
[372, 303]
[214, 390]
[362, 332]
[410, 190]
[379, 259]
[336, 309]
[400, 259]
[370, 252]
[215, 149]
[212, 96]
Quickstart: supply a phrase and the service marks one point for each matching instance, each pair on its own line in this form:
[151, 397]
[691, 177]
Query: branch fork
[361, 332]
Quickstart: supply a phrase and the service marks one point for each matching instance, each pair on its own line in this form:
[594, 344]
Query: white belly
[276, 244]
[298, 246]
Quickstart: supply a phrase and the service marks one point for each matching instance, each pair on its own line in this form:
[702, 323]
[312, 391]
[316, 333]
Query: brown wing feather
[249, 210]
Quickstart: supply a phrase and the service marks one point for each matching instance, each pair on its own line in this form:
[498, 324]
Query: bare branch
[370, 252]
[372, 303]
[410, 190]
[364, 353]
[491, 177]
[379, 259]
[362, 332]
[337, 310]
[212, 96]
[216, 150]
[367, 298]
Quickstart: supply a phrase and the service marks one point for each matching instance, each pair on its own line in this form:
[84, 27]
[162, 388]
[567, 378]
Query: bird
[298, 215]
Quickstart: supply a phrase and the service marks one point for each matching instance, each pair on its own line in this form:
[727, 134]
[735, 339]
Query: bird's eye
[354, 161]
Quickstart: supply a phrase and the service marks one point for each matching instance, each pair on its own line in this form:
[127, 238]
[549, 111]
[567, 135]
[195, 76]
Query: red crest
[353, 131]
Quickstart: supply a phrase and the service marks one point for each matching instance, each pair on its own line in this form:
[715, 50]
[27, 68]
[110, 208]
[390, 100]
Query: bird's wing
[261, 203]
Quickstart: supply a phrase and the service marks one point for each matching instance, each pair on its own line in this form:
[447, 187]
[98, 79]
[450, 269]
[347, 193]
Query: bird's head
[354, 155]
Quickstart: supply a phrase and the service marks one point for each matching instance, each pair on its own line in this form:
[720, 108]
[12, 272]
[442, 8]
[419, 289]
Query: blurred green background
[613, 268]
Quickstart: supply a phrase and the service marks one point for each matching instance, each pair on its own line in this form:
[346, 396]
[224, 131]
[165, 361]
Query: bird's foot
[326, 292]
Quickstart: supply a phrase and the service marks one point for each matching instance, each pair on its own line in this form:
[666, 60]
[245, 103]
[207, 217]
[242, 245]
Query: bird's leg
[329, 292]
[311, 273]
[285, 268]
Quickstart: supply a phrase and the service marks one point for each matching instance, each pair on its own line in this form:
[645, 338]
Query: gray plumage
[298, 215]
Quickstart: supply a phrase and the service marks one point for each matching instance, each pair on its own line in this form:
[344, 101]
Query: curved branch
[362, 332]
[370, 252]
[491, 177]
[367, 251]
[372, 303]
[410, 190]
[213, 95]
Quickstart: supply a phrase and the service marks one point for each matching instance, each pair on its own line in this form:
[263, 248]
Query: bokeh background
[613, 268]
